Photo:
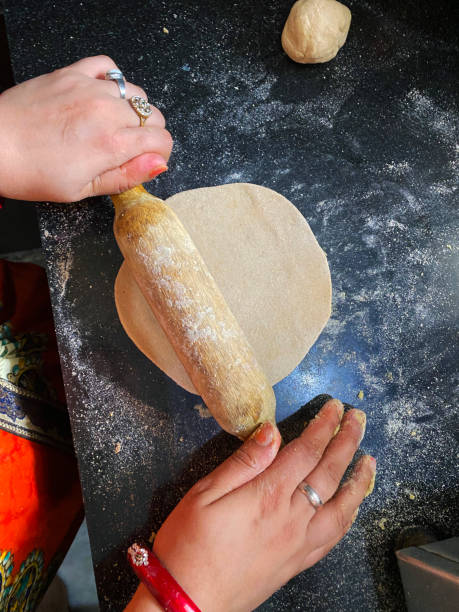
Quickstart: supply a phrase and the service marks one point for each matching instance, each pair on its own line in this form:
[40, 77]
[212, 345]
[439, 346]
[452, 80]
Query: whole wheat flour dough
[315, 30]
[268, 265]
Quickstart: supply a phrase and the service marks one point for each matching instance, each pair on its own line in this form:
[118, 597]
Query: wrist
[165, 590]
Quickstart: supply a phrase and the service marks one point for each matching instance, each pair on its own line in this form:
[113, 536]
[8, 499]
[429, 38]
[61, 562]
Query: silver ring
[311, 494]
[117, 75]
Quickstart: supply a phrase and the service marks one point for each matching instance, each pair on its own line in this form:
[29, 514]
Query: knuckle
[333, 471]
[67, 78]
[122, 183]
[62, 70]
[290, 453]
[115, 144]
[114, 140]
[244, 458]
[160, 141]
[200, 488]
[312, 446]
[110, 144]
[96, 186]
[97, 105]
[103, 58]
[270, 497]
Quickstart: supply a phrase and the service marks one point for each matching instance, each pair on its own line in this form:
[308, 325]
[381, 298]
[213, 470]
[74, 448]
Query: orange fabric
[40, 497]
[41, 504]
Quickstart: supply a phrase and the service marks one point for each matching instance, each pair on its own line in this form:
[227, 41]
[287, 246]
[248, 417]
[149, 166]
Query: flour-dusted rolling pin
[192, 311]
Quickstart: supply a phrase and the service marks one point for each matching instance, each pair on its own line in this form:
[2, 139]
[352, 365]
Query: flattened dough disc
[266, 262]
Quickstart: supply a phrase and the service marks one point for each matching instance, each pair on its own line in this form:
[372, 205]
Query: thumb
[140, 169]
[250, 459]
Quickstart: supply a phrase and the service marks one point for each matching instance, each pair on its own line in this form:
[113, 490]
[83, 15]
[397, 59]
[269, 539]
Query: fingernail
[264, 434]
[361, 418]
[157, 170]
[338, 407]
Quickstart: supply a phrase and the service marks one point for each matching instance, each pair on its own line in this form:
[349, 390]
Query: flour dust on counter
[365, 147]
[109, 431]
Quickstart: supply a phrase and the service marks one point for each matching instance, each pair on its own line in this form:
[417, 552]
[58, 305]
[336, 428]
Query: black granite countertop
[366, 148]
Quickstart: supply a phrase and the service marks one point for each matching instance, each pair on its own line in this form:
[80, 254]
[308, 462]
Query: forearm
[10, 162]
[143, 601]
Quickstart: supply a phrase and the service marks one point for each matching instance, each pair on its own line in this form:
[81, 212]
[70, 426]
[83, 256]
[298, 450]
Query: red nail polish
[155, 171]
[264, 434]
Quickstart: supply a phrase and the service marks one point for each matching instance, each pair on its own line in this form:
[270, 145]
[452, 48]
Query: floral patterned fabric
[40, 498]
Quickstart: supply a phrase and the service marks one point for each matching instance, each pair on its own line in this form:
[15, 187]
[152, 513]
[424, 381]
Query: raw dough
[315, 30]
[268, 265]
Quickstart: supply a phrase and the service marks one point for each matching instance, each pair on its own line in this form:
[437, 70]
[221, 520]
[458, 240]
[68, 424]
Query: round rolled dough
[268, 265]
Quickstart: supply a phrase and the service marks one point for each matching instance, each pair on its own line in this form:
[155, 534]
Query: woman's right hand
[68, 135]
[245, 529]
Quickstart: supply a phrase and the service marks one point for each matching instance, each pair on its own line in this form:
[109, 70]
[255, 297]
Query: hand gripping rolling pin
[193, 313]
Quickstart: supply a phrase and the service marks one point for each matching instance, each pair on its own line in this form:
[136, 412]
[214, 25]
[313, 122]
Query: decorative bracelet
[158, 581]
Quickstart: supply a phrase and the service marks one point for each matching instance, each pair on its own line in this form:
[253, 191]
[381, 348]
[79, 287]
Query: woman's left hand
[68, 135]
[245, 529]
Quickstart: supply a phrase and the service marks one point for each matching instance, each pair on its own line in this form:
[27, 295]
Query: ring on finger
[311, 494]
[141, 107]
[117, 76]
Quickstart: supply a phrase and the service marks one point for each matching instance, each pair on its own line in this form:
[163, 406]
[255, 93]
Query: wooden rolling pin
[193, 313]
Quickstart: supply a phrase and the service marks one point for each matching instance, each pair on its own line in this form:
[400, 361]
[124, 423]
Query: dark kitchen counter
[366, 147]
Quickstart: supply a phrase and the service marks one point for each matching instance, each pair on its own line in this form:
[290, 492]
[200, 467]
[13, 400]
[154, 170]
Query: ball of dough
[315, 30]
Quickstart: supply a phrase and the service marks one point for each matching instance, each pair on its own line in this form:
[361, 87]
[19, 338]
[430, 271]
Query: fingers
[123, 113]
[96, 68]
[138, 154]
[319, 553]
[299, 457]
[111, 87]
[250, 459]
[332, 521]
[142, 168]
[327, 475]
[131, 142]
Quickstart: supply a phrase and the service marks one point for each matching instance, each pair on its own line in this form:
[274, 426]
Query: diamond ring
[141, 107]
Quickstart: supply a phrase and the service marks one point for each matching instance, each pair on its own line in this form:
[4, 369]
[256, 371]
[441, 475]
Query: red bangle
[158, 581]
